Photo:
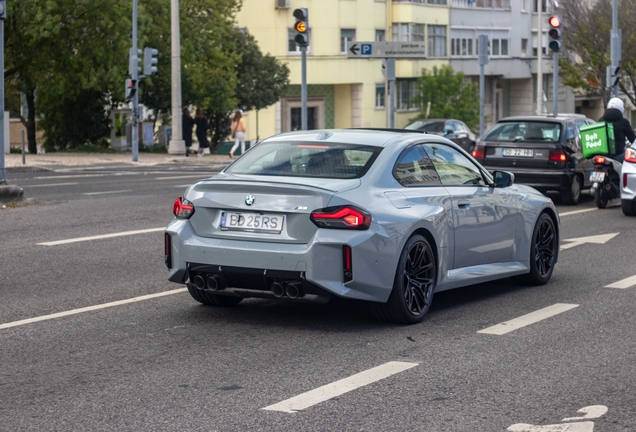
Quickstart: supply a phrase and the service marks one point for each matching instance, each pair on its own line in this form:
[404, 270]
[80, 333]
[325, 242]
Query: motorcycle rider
[622, 128]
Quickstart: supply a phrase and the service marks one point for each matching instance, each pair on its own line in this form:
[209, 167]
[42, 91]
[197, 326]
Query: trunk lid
[222, 210]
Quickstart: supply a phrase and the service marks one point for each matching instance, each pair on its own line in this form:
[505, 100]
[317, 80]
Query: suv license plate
[596, 176]
[252, 222]
[517, 152]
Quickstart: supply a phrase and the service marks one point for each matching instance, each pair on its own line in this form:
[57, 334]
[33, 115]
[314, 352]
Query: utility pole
[482, 55]
[3, 14]
[303, 88]
[615, 48]
[177, 144]
[134, 52]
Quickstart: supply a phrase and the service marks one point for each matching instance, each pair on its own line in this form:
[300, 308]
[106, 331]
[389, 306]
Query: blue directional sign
[366, 49]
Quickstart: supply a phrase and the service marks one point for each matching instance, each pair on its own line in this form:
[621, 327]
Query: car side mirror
[462, 135]
[448, 131]
[503, 178]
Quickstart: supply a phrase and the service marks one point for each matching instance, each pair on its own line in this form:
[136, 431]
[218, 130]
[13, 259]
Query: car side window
[454, 168]
[414, 168]
[457, 126]
[450, 126]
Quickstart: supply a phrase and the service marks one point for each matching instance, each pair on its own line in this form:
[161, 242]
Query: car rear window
[324, 160]
[525, 131]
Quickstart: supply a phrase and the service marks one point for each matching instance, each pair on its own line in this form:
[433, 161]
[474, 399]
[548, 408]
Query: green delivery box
[597, 138]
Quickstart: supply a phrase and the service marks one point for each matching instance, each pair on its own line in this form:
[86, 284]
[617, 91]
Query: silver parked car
[628, 182]
[386, 217]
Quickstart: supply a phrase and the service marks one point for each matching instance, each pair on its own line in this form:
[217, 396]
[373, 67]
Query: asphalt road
[165, 362]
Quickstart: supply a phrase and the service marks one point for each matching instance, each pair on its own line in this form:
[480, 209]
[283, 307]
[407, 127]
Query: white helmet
[616, 103]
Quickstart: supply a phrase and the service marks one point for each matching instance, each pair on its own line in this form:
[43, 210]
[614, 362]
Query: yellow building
[344, 92]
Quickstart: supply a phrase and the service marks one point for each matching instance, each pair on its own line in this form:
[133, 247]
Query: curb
[10, 193]
[21, 169]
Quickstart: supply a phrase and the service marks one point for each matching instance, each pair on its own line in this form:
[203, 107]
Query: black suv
[542, 151]
[454, 130]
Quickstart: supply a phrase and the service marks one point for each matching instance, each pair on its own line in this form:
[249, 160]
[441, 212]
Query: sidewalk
[51, 161]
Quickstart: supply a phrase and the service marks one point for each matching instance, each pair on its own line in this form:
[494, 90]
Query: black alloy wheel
[543, 252]
[629, 207]
[414, 284]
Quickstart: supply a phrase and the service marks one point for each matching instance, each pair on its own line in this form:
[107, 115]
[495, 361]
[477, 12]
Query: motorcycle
[606, 180]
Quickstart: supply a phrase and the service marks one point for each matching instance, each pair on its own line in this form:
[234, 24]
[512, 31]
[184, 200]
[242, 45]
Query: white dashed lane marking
[531, 318]
[622, 284]
[90, 308]
[201, 176]
[99, 237]
[51, 185]
[330, 391]
[104, 193]
[577, 212]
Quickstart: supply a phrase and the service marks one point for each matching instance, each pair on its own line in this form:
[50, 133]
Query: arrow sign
[599, 239]
[354, 49]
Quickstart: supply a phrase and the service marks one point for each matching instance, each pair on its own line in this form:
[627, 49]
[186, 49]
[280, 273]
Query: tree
[65, 54]
[451, 95]
[586, 32]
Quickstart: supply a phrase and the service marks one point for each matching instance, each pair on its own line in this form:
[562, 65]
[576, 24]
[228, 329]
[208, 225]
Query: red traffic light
[554, 21]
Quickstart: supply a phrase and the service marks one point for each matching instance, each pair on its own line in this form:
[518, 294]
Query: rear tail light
[347, 263]
[479, 152]
[630, 155]
[182, 208]
[557, 156]
[600, 160]
[168, 251]
[343, 217]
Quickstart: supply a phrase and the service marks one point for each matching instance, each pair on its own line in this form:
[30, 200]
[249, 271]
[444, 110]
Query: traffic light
[301, 26]
[150, 60]
[134, 63]
[613, 75]
[555, 33]
[131, 88]
[483, 48]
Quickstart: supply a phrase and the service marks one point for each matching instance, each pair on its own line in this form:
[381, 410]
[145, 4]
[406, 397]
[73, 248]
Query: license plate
[252, 222]
[517, 152]
[596, 176]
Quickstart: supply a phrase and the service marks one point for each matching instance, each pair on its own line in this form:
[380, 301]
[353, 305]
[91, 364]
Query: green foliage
[450, 94]
[90, 148]
[586, 35]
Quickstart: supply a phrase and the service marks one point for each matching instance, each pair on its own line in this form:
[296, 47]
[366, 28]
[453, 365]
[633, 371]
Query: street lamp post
[176, 144]
[3, 174]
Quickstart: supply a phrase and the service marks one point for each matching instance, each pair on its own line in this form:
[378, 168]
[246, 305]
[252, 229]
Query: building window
[379, 96]
[524, 6]
[436, 2]
[346, 36]
[436, 41]
[408, 32]
[495, 4]
[536, 5]
[379, 35]
[406, 92]
[534, 44]
[462, 47]
[292, 48]
[524, 47]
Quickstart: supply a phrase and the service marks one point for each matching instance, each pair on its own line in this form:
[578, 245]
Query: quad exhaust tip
[292, 290]
[277, 289]
[212, 283]
[198, 282]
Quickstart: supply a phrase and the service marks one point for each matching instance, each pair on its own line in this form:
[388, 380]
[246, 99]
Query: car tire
[413, 286]
[573, 194]
[543, 252]
[629, 207]
[600, 197]
[212, 299]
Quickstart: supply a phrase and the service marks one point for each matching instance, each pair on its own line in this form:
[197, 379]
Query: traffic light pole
[555, 85]
[3, 174]
[135, 78]
[615, 47]
[303, 88]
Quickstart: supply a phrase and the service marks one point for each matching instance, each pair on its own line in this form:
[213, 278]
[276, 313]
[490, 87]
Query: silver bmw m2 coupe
[389, 217]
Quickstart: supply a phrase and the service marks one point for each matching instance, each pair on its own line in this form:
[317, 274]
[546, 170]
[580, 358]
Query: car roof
[367, 136]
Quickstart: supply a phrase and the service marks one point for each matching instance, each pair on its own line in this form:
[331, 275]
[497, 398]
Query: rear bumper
[319, 263]
[542, 180]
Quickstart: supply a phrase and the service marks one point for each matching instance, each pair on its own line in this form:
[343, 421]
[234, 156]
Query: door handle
[463, 203]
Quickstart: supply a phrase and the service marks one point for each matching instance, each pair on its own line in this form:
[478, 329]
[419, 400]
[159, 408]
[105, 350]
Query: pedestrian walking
[238, 133]
[187, 123]
[202, 131]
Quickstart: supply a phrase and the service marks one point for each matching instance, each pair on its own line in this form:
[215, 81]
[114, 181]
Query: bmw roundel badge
[249, 200]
